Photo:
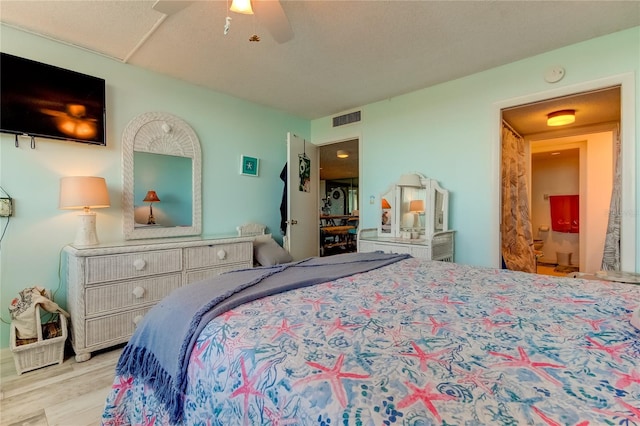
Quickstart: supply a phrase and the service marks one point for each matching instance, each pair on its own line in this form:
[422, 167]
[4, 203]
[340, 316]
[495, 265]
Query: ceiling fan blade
[169, 7]
[272, 16]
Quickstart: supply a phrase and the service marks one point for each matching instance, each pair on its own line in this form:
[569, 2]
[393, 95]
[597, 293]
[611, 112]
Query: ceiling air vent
[341, 120]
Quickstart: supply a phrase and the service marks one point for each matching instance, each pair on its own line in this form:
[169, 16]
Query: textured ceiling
[343, 54]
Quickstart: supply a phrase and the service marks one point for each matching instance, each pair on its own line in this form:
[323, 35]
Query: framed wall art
[249, 166]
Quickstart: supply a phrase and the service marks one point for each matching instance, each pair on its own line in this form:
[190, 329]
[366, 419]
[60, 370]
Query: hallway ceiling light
[561, 118]
[342, 153]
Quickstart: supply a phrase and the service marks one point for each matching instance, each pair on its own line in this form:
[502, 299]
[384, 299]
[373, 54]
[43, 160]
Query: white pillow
[262, 238]
[267, 252]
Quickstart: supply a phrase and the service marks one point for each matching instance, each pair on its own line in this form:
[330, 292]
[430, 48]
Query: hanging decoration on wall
[249, 166]
[304, 169]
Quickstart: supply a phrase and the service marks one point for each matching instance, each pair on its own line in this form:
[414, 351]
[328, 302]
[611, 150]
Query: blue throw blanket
[159, 350]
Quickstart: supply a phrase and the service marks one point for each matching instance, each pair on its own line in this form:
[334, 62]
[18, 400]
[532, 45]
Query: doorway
[339, 196]
[556, 164]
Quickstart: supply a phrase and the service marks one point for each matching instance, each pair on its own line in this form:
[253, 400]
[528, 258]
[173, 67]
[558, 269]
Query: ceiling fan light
[241, 6]
[561, 118]
[342, 153]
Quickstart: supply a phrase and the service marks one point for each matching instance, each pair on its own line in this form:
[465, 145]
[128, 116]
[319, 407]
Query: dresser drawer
[113, 328]
[111, 297]
[202, 274]
[218, 254]
[131, 265]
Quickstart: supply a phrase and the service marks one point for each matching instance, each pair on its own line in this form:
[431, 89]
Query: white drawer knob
[137, 319]
[139, 264]
[138, 292]
[222, 255]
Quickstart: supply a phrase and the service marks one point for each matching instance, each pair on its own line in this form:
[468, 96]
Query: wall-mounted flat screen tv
[41, 100]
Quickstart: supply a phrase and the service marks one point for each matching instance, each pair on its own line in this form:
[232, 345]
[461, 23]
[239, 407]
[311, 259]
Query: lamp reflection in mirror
[84, 192]
[411, 179]
[416, 207]
[385, 211]
[151, 198]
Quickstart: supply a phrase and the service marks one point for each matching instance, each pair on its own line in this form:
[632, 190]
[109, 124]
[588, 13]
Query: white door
[303, 227]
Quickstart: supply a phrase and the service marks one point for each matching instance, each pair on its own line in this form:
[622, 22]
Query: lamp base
[86, 235]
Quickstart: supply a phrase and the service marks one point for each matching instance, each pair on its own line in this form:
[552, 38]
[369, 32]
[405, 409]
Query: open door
[302, 239]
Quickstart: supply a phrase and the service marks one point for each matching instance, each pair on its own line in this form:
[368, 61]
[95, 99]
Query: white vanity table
[414, 220]
[110, 287]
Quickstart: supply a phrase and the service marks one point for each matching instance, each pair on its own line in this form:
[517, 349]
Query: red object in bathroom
[565, 213]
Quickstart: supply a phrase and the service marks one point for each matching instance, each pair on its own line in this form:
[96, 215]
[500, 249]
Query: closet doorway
[339, 196]
[556, 163]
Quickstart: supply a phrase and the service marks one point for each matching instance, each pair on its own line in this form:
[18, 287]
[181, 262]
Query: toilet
[538, 244]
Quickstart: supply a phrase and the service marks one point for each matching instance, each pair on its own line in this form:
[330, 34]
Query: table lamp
[416, 207]
[151, 198]
[84, 192]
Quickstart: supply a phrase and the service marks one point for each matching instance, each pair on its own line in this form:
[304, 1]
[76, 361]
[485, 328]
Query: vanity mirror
[413, 219]
[161, 168]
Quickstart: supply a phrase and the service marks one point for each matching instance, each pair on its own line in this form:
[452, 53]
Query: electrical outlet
[6, 207]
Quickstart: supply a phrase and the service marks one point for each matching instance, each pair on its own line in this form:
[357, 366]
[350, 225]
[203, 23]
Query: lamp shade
[561, 118]
[416, 206]
[83, 192]
[241, 6]
[385, 204]
[342, 153]
[411, 179]
[151, 197]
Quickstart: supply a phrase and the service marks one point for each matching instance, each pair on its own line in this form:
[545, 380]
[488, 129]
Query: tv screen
[41, 100]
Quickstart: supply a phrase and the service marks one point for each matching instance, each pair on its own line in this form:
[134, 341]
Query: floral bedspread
[413, 343]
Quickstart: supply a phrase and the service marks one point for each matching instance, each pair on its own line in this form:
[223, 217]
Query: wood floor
[69, 394]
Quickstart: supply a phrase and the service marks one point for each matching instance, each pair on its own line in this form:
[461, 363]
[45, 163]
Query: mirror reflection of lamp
[385, 213]
[151, 198]
[416, 207]
[84, 192]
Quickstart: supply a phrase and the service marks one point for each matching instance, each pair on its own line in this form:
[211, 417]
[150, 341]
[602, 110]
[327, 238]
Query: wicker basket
[41, 352]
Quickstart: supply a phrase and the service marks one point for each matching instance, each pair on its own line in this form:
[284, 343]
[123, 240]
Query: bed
[400, 341]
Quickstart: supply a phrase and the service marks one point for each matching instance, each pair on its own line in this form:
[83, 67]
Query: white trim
[628, 155]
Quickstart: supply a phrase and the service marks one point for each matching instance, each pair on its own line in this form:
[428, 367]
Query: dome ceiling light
[561, 118]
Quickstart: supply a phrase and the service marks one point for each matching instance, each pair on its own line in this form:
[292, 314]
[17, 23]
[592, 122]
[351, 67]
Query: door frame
[350, 136]
[628, 243]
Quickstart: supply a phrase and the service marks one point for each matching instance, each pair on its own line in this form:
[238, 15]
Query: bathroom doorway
[556, 164]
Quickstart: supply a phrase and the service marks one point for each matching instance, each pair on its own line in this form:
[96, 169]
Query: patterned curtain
[517, 237]
[611, 254]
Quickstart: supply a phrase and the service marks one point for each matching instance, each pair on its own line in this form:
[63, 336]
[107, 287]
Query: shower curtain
[611, 254]
[517, 237]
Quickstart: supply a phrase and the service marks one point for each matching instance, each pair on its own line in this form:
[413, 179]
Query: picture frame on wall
[249, 166]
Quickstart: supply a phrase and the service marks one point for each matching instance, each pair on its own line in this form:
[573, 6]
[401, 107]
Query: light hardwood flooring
[68, 394]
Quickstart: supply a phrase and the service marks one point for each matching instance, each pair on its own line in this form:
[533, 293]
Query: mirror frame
[160, 133]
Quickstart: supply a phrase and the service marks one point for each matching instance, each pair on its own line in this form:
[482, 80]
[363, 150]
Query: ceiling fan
[269, 13]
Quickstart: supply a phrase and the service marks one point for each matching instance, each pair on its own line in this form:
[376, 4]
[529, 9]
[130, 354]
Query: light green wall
[450, 132]
[227, 128]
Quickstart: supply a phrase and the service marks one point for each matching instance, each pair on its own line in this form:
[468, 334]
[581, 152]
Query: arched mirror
[161, 174]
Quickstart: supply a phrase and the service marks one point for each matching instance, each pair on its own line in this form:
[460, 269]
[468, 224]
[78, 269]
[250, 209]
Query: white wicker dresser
[111, 287]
